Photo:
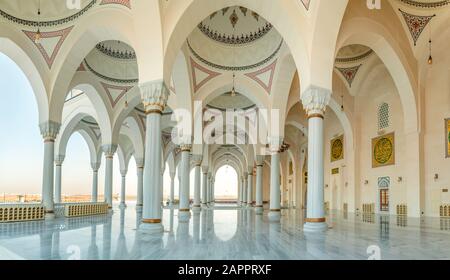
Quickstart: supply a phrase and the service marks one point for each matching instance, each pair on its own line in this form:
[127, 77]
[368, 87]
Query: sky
[21, 149]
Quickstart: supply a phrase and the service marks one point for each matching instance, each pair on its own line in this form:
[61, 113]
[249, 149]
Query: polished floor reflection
[227, 233]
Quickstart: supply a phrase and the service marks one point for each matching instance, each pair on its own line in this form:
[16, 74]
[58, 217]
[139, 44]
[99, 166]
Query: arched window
[383, 116]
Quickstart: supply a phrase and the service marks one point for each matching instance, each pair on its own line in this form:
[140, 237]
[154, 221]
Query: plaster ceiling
[115, 60]
[233, 53]
[50, 9]
[352, 51]
[226, 101]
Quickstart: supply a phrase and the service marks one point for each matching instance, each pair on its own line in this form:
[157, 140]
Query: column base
[249, 205]
[50, 215]
[151, 228]
[315, 227]
[184, 215]
[244, 204]
[259, 210]
[274, 215]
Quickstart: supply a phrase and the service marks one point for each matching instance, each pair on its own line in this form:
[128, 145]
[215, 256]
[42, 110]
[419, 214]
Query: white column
[275, 192]
[95, 167]
[49, 131]
[245, 191]
[109, 151]
[208, 189]
[314, 101]
[184, 209]
[58, 176]
[241, 201]
[154, 96]
[123, 188]
[140, 183]
[213, 198]
[259, 185]
[197, 160]
[172, 188]
[250, 189]
[239, 191]
[204, 187]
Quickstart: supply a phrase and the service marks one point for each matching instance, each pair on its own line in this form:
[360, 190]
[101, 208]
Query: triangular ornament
[306, 4]
[416, 24]
[50, 43]
[264, 76]
[81, 68]
[349, 73]
[201, 75]
[115, 93]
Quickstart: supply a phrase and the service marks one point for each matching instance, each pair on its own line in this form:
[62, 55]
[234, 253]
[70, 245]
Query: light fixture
[430, 58]
[342, 103]
[38, 35]
[233, 89]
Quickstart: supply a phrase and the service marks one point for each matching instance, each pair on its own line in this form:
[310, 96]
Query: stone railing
[402, 210]
[21, 212]
[70, 210]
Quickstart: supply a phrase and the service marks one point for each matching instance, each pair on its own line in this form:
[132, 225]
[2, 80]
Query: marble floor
[227, 233]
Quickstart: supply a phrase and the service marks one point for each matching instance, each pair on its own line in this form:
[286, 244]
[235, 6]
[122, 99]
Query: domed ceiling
[114, 61]
[227, 101]
[353, 53]
[234, 38]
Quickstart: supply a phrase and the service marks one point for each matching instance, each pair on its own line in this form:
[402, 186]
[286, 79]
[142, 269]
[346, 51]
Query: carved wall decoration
[264, 76]
[125, 3]
[447, 138]
[349, 73]
[416, 24]
[49, 47]
[383, 150]
[337, 148]
[201, 75]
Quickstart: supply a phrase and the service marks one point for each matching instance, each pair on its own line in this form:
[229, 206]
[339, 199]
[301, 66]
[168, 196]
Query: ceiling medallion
[234, 18]
[349, 73]
[115, 53]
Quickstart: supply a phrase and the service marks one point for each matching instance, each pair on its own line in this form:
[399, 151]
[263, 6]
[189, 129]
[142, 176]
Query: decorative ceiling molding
[306, 4]
[131, 55]
[258, 76]
[349, 73]
[48, 23]
[110, 79]
[115, 93]
[224, 110]
[197, 80]
[234, 40]
[125, 3]
[416, 24]
[355, 58]
[48, 47]
[234, 68]
[428, 5]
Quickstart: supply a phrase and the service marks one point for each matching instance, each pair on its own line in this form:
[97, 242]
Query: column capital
[275, 143]
[209, 175]
[49, 130]
[109, 150]
[123, 172]
[154, 96]
[59, 159]
[139, 163]
[260, 160]
[205, 169]
[172, 175]
[245, 175]
[95, 166]
[197, 160]
[315, 100]
[185, 147]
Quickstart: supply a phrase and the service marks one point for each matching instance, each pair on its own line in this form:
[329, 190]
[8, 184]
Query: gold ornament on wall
[447, 138]
[337, 148]
[383, 150]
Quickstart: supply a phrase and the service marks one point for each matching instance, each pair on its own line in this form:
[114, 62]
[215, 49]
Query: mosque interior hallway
[225, 233]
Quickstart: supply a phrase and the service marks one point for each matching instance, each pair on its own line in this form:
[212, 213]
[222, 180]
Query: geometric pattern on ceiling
[349, 73]
[201, 75]
[50, 43]
[264, 76]
[306, 4]
[428, 5]
[416, 24]
[125, 3]
[115, 93]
